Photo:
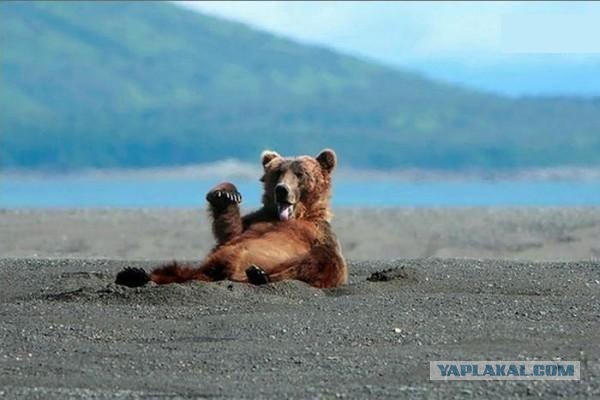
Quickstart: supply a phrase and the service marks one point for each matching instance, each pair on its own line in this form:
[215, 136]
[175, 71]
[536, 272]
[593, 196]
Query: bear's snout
[282, 193]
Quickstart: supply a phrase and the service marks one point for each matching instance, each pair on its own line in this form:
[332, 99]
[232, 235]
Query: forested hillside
[148, 84]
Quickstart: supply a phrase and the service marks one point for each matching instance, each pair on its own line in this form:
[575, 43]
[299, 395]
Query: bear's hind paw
[132, 277]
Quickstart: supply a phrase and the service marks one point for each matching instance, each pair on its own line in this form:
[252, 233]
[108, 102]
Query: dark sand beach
[465, 284]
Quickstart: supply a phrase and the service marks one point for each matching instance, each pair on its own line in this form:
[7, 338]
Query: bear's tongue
[285, 211]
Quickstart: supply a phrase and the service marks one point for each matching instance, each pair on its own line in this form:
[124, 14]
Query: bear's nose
[281, 192]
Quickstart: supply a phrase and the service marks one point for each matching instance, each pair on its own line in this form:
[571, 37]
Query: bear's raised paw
[223, 195]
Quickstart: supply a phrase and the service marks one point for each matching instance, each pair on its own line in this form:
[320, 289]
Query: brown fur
[302, 247]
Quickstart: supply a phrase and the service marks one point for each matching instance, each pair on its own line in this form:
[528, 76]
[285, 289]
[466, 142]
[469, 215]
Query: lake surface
[69, 192]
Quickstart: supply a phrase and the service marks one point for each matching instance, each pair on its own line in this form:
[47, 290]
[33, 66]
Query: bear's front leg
[224, 200]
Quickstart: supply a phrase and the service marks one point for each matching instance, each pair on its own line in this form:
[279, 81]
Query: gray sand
[544, 234]
[66, 331]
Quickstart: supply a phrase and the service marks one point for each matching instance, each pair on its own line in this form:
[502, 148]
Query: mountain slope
[147, 84]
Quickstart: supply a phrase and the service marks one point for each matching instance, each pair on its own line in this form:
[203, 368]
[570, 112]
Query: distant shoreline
[235, 169]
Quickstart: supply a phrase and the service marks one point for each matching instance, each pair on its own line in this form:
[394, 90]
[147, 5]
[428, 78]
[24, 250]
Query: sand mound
[99, 287]
[403, 273]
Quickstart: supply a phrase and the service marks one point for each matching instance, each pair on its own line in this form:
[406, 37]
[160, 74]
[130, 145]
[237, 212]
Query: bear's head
[298, 187]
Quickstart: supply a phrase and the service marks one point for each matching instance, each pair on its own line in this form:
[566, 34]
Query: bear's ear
[267, 156]
[327, 159]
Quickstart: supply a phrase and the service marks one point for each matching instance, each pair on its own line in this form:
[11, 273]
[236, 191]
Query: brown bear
[290, 237]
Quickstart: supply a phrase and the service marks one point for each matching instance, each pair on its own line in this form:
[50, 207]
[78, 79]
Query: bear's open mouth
[285, 211]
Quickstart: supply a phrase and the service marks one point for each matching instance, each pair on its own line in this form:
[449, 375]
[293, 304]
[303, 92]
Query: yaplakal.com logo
[504, 370]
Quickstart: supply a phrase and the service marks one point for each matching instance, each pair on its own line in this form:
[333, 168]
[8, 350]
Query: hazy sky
[502, 46]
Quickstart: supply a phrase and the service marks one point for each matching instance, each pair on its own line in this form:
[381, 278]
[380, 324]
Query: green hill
[150, 84]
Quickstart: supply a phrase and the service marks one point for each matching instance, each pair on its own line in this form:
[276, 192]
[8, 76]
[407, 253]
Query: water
[68, 192]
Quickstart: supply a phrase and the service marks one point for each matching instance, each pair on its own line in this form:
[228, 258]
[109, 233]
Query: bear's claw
[256, 275]
[223, 195]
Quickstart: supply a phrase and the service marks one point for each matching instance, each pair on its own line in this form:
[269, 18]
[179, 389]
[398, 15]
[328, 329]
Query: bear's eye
[271, 176]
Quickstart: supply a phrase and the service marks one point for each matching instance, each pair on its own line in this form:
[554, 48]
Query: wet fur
[259, 247]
